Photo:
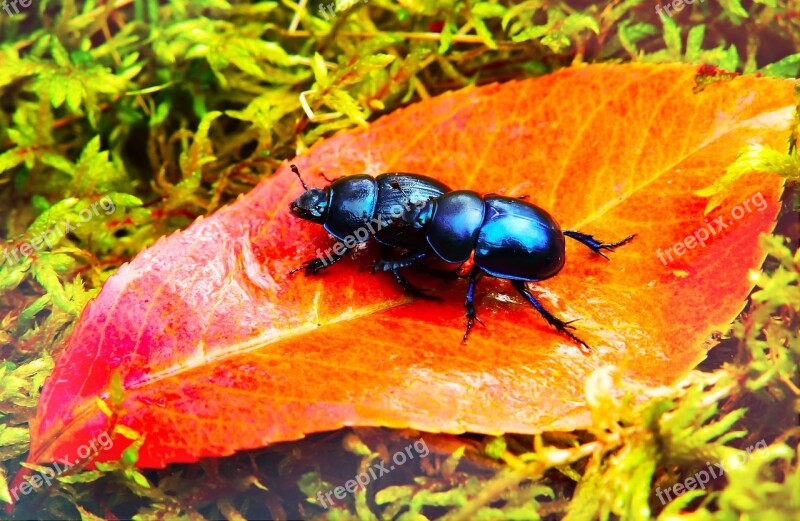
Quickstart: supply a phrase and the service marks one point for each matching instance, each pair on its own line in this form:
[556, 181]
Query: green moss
[167, 110]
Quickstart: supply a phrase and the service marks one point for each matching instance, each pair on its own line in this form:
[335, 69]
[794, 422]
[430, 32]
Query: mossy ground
[173, 108]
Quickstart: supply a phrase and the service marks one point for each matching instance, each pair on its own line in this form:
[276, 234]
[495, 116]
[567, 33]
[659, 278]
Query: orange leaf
[220, 350]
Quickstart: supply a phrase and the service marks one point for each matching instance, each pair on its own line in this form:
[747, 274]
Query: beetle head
[312, 205]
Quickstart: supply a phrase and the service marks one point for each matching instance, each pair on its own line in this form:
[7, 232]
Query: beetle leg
[385, 265]
[596, 245]
[317, 264]
[560, 325]
[469, 303]
[413, 290]
[403, 262]
[386, 253]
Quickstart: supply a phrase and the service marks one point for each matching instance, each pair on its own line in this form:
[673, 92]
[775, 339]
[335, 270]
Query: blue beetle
[509, 238]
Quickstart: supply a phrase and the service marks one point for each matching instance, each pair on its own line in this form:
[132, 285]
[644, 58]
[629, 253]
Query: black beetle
[509, 237]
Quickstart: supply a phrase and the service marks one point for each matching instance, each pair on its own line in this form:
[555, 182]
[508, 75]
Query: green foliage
[788, 67]
[123, 121]
[754, 158]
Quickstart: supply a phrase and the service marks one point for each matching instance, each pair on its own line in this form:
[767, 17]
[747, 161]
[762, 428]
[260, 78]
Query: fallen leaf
[220, 350]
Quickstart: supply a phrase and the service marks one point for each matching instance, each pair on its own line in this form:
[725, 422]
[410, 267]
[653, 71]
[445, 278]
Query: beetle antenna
[297, 173]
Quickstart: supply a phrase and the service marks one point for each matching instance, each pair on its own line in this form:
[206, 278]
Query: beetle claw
[315, 265]
[565, 331]
[564, 328]
[302, 267]
[596, 245]
[567, 324]
[612, 246]
[561, 326]
[472, 317]
[470, 323]
[311, 267]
